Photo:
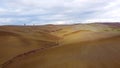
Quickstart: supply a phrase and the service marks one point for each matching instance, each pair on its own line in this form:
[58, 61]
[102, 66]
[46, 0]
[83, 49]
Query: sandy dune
[68, 46]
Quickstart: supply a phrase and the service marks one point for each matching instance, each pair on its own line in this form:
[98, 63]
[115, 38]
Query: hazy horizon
[24, 24]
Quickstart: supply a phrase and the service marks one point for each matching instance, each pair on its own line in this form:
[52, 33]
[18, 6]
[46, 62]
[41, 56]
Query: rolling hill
[60, 46]
[18, 40]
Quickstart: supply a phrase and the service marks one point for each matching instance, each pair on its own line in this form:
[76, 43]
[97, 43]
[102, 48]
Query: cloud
[58, 11]
[5, 20]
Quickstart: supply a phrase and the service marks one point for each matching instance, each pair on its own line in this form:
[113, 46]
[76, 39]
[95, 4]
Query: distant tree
[24, 24]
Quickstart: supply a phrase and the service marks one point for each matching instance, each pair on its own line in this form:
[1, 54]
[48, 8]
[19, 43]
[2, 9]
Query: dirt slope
[17, 40]
[99, 53]
[72, 46]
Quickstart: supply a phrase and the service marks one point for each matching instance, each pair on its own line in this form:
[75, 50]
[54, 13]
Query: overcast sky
[18, 12]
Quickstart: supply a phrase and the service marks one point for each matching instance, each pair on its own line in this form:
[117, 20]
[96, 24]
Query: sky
[39, 12]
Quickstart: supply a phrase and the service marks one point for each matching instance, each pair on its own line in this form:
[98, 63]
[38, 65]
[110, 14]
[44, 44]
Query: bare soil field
[60, 46]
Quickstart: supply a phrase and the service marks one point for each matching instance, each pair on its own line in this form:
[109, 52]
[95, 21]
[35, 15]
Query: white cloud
[8, 21]
[61, 22]
[101, 20]
[5, 20]
[58, 11]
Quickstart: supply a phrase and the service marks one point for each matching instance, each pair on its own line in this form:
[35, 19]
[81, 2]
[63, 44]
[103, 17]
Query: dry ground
[60, 46]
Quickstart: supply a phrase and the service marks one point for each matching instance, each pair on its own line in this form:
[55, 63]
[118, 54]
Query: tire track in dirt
[34, 51]
[21, 38]
[56, 44]
[28, 53]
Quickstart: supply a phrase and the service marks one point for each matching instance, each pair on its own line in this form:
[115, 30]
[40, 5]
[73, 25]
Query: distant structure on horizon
[24, 24]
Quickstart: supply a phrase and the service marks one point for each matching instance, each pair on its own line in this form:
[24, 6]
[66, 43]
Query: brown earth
[64, 46]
